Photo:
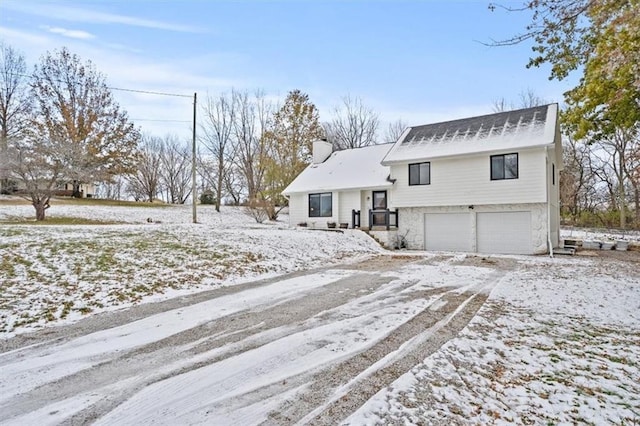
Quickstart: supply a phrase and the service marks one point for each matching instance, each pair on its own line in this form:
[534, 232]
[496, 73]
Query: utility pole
[194, 196]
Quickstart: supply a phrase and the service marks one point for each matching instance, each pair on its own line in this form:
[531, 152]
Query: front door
[379, 200]
[379, 216]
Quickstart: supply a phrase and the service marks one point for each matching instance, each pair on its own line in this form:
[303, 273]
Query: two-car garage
[495, 232]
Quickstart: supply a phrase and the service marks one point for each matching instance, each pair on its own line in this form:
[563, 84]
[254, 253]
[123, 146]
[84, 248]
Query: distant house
[87, 190]
[485, 184]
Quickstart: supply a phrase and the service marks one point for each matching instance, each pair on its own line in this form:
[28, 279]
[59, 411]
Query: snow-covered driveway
[429, 339]
[240, 357]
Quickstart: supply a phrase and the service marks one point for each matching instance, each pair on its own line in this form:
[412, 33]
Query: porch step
[566, 250]
[366, 231]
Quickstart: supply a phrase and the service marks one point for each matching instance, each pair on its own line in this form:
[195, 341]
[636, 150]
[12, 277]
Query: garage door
[447, 231]
[504, 232]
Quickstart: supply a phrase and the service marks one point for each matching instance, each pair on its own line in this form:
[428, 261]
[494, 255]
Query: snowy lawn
[557, 342]
[53, 274]
[630, 235]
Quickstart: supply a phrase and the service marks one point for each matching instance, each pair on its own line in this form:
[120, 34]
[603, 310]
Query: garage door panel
[504, 232]
[447, 231]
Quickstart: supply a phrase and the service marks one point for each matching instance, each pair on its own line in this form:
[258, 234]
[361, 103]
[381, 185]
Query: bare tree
[500, 105]
[145, 182]
[234, 185]
[39, 164]
[253, 118]
[395, 130]
[207, 173]
[353, 126]
[14, 104]
[176, 170]
[219, 118]
[113, 189]
[526, 99]
[633, 172]
[578, 182]
[617, 156]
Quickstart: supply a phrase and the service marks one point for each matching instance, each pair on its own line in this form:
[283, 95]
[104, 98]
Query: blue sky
[420, 61]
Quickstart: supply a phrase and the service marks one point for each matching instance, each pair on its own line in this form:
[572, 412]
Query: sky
[418, 61]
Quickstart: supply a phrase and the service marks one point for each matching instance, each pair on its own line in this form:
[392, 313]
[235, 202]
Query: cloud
[26, 37]
[74, 14]
[79, 34]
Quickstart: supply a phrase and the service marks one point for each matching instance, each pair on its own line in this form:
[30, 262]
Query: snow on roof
[524, 128]
[349, 169]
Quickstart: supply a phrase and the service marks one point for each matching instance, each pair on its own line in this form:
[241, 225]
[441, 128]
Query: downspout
[546, 159]
[288, 197]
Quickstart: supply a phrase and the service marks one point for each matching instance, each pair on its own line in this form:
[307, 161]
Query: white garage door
[504, 232]
[447, 231]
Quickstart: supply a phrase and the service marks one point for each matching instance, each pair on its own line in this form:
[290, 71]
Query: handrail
[390, 218]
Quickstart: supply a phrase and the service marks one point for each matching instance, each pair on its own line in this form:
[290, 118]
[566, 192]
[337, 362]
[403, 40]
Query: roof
[357, 168]
[523, 128]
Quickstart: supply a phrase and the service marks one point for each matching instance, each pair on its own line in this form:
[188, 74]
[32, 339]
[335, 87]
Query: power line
[160, 120]
[147, 92]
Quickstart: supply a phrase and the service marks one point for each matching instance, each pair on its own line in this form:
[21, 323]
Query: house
[87, 190]
[337, 186]
[486, 184]
[61, 189]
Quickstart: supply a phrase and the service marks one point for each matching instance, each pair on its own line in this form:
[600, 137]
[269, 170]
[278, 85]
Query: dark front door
[379, 200]
[379, 215]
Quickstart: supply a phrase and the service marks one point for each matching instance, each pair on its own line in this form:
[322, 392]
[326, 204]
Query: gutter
[546, 160]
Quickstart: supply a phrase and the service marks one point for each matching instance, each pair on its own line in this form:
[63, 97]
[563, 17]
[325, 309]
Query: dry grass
[14, 201]
[54, 220]
[102, 202]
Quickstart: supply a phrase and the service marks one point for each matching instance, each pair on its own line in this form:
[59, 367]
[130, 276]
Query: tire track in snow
[241, 408]
[159, 360]
[96, 392]
[344, 387]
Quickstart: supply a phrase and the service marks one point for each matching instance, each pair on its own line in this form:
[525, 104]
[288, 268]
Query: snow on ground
[84, 352]
[54, 274]
[558, 342]
[600, 234]
[217, 385]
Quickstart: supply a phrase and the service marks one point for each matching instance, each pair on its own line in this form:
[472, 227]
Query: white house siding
[467, 181]
[553, 188]
[349, 200]
[298, 209]
[365, 205]
[412, 220]
[341, 202]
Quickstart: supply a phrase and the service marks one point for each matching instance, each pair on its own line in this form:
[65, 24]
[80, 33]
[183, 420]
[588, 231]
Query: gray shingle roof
[509, 130]
[469, 128]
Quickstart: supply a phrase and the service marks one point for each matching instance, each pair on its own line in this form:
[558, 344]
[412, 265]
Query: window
[320, 205]
[553, 174]
[420, 174]
[504, 166]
